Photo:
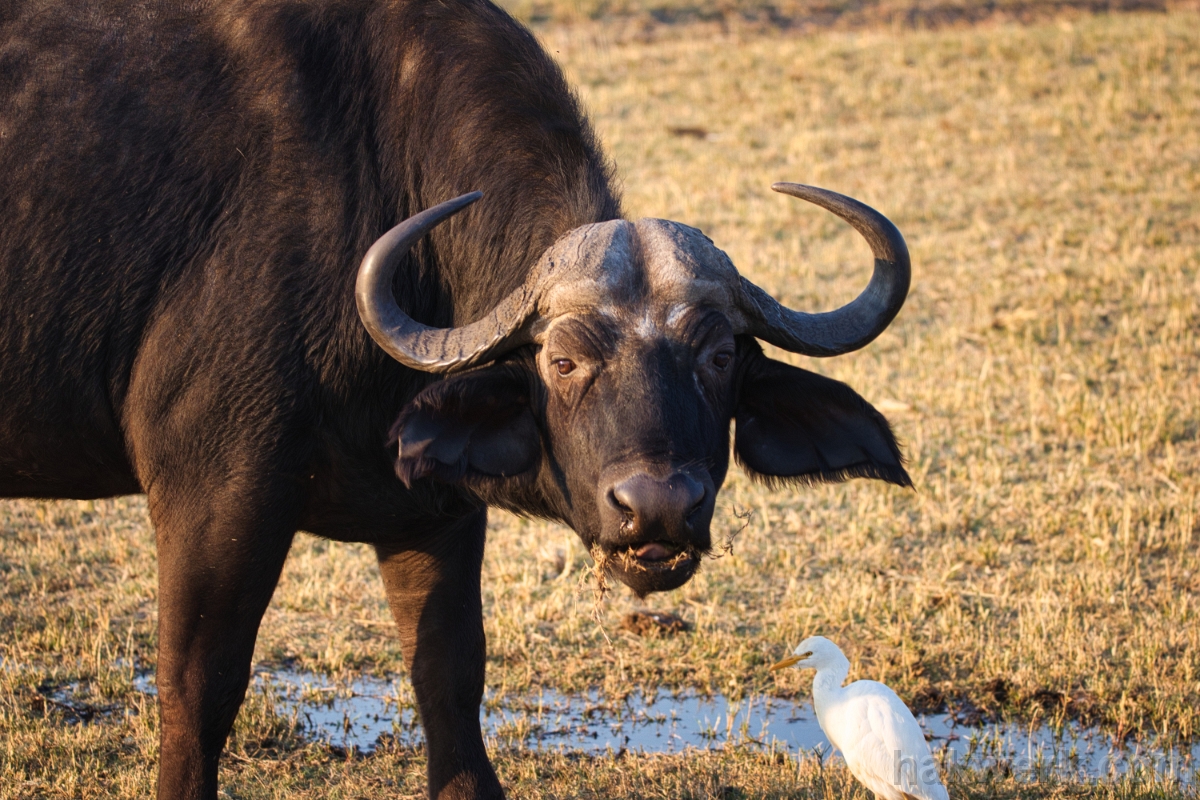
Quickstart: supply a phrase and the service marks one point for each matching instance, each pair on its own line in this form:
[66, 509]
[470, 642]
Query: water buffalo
[189, 189]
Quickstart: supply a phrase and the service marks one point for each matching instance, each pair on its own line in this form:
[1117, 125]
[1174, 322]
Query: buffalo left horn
[420, 346]
[855, 324]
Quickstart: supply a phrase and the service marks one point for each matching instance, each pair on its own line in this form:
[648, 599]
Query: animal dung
[654, 623]
[688, 132]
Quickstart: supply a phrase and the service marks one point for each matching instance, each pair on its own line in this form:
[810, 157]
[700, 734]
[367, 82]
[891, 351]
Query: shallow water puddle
[355, 714]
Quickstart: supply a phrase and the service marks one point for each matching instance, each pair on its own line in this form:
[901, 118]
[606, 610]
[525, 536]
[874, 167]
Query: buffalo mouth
[647, 567]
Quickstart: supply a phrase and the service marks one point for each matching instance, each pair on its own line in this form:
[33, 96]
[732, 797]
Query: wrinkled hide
[241, 244]
[634, 435]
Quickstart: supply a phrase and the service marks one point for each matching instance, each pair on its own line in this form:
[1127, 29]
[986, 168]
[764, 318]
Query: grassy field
[642, 19]
[1044, 376]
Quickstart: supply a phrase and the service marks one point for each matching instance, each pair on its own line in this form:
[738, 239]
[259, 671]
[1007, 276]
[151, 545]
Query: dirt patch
[999, 689]
[928, 699]
[1048, 699]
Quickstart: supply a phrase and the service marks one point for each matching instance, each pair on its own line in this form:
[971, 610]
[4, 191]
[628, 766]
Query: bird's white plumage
[877, 735]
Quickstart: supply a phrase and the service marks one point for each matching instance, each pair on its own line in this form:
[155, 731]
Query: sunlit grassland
[639, 18]
[1044, 378]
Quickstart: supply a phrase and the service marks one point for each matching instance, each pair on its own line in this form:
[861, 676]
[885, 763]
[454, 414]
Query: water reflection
[356, 713]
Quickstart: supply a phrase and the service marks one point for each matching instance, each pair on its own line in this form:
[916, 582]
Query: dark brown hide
[188, 190]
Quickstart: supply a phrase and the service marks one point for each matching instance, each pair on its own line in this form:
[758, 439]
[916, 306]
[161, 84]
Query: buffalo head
[618, 366]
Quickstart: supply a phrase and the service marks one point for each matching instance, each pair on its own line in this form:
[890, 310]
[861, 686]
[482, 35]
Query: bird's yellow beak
[787, 662]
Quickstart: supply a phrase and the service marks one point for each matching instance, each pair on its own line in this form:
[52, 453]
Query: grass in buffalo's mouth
[625, 560]
[628, 560]
[1044, 377]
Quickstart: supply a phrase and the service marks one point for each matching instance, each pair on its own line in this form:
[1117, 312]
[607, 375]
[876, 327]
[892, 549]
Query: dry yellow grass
[642, 18]
[1045, 377]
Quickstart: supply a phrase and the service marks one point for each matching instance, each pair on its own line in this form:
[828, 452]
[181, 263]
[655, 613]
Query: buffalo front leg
[217, 572]
[433, 590]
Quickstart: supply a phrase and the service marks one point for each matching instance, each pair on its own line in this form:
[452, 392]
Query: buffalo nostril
[689, 495]
[630, 498]
[653, 504]
[622, 504]
[693, 494]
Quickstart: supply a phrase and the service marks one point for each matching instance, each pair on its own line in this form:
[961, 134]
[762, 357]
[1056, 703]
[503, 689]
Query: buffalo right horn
[855, 324]
[420, 346]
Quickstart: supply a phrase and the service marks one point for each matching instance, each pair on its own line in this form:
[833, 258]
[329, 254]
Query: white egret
[882, 743]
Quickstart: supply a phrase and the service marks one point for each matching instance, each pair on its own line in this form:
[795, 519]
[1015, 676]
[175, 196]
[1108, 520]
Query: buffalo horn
[855, 324]
[408, 341]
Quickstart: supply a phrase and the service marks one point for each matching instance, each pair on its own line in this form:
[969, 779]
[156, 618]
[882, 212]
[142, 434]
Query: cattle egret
[882, 743]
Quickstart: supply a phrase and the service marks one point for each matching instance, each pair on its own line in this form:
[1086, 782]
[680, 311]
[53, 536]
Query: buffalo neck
[512, 130]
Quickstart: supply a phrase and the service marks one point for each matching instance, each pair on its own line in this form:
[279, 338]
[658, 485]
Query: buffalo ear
[478, 425]
[797, 425]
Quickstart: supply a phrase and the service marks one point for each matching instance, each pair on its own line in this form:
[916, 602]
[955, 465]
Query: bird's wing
[892, 749]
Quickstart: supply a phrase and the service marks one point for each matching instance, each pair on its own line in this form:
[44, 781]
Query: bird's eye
[721, 360]
[565, 366]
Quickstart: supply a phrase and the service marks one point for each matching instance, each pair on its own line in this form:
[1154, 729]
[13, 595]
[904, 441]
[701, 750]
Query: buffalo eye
[721, 360]
[565, 366]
